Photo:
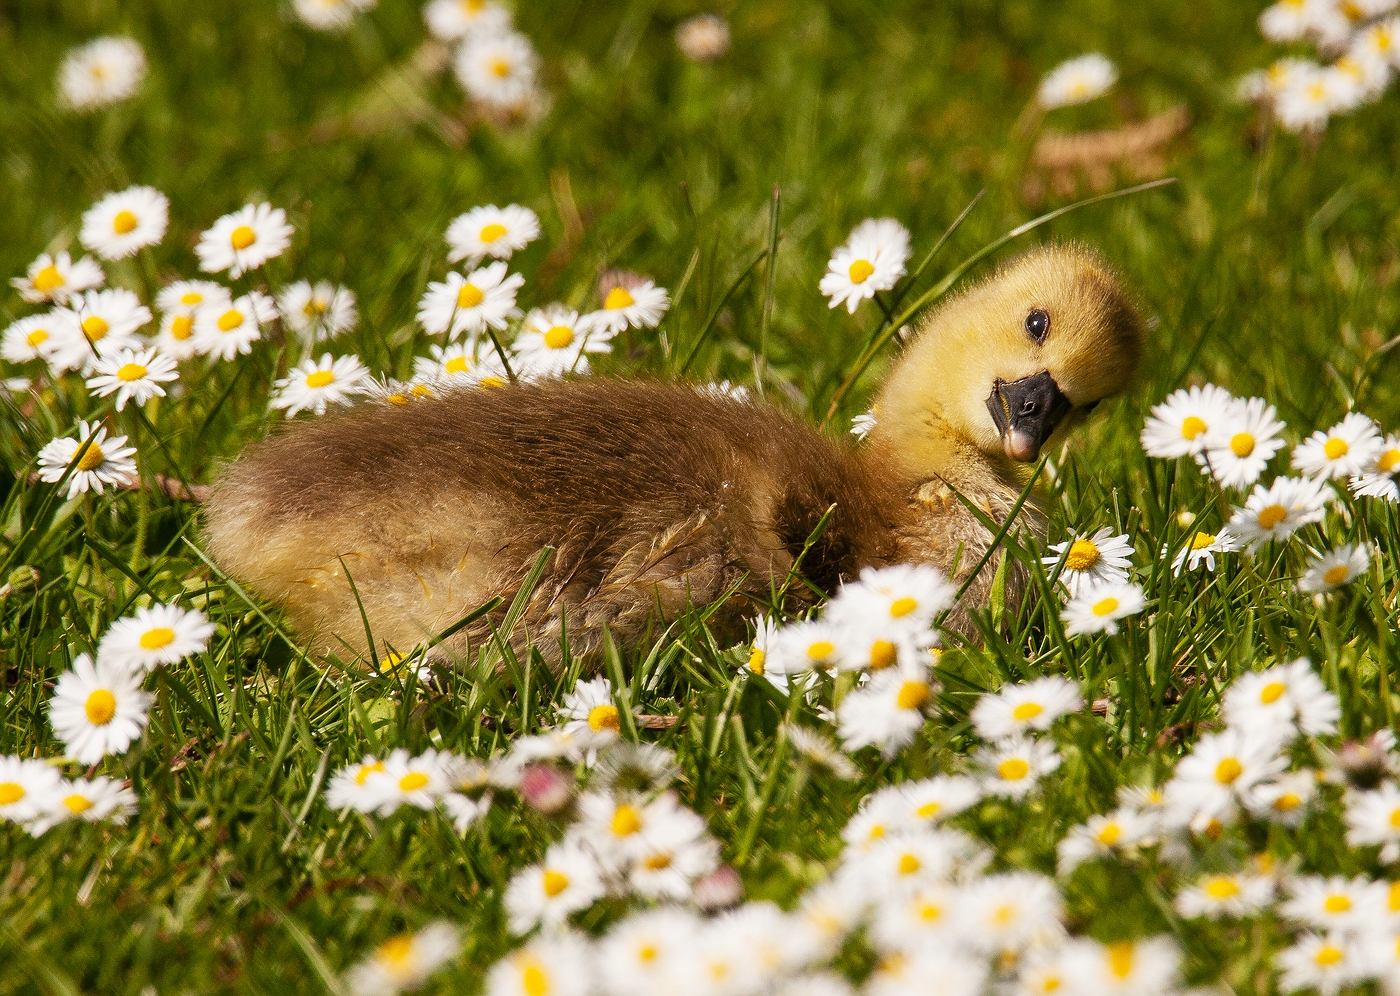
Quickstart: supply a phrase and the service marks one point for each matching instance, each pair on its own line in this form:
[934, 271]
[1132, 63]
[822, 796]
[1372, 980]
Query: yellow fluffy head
[1055, 310]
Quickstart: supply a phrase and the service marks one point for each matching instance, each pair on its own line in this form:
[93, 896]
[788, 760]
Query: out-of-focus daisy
[415, 780]
[485, 298]
[1014, 766]
[1378, 480]
[1101, 836]
[624, 766]
[1285, 21]
[1327, 964]
[122, 223]
[489, 230]
[934, 914]
[225, 330]
[1276, 700]
[1380, 42]
[57, 278]
[318, 311]
[155, 635]
[98, 710]
[1077, 81]
[591, 713]
[103, 323]
[940, 797]
[244, 240]
[1374, 818]
[905, 598]
[884, 813]
[1284, 800]
[1018, 709]
[1102, 558]
[453, 20]
[1236, 895]
[933, 966]
[1178, 426]
[1011, 911]
[464, 810]
[133, 376]
[1223, 767]
[1202, 550]
[637, 304]
[1240, 447]
[1335, 902]
[330, 15]
[1306, 103]
[406, 961]
[1278, 511]
[703, 38]
[1098, 608]
[619, 829]
[1345, 450]
[816, 749]
[398, 392]
[314, 384]
[179, 302]
[677, 853]
[1335, 568]
[102, 72]
[1040, 973]
[1364, 76]
[355, 787]
[104, 461]
[862, 424]
[1131, 968]
[550, 965]
[887, 712]
[498, 70]
[566, 881]
[91, 800]
[553, 342]
[872, 260]
[908, 862]
[31, 338]
[28, 788]
[640, 954]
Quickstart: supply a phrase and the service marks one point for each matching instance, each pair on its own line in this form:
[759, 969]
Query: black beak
[1026, 412]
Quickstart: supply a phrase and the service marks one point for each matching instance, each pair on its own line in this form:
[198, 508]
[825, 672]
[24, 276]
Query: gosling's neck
[927, 448]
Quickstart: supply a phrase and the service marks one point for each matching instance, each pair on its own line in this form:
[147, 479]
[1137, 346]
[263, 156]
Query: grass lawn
[1269, 268]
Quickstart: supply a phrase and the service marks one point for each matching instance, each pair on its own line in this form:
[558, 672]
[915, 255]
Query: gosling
[656, 497]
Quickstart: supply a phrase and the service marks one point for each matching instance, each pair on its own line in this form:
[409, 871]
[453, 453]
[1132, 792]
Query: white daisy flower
[1374, 818]
[319, 311]
[223, 331]
[1040, 973]
[630, 304]
[902, 599]
[32, 338]
[415, 781]
[765, 636]
[1202, 550]
[940, 797]
[550, 965]
[28, 788]
[908, 862]
[1285, 800]
[1126, 968]
[1179, 425]
[1240, 447]
[1335, 902]
[133, 376]
[330, 15]
[620, 830]
[1379, 479]
[1307, 102]
[489, 230]
[453, 20]
[1089, 560]
[1278, 511]
[357, 786]
[1286, 21]
[1014, 766]
[553, 342]
[677, 853]
[155, 635]
[1102, 836]
[398, 392]
[1364, 77]
[872, 260]
[1335, 568]
[406, 961]
[244, 240]
[314, 384]
[91, 800]
[122, 223]
[928, 969]
[498, 70]
[1380, 42]
[179, 302]
[882, 814]
[464, 810]
[98, 710]
[1223, 767]
[566, 881]
[1097, 609]
[590, 712]
[862, 424]
[102, 72]
[102, 324]
[485, 298]
[1283, 700]
[1327, 964]
[57, 278]
[934, 914]
[1345, 450]
[1012, 911]
[640, 955]
[816, 749]
[703, 38]
[888, 711]
[455, 365]
[1018, 709]
[1077, 81]
[104, 461]
[1233, 895]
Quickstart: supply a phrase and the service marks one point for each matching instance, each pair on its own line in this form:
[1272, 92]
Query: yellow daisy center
[1388, 461]
[1272, 692]
[10, 793]
[502, 69]
[320, 378]
[1228, 770]
[603, 717]
[181, 327]
[618, 298]
[860, 271]
[912, 695]
[1335, 575]
[1120, 959]
[76, 804]
[929, 912]
[1027, 710]
[901, 607]
[1336, 903]
[1202, 540]
[412, 781]
[1192, 426]
[1286, 802]
[191, 298]
[1335, 448]
[559, 337]
[647, 952]
[490, 233]
[242, 237]
[421, 391]
[457, 365]
[130, 371]
[36, 337]
[756, 659]
[154, 639]
[1105, 606]
[820, 650]
[659, 861]
[1271, 516]
[492, 381]
[95, 327]
[1013, 769]
[469, 296]
[626, 821]
[124, 223]
[100, 707]
[1110, 834]
[366, 770]
[1394, 886]
[92, 459]
[1083, 554]
[534, 980]
[230, 320]
[396, 950]
[1394, 822]
[554, 882]
[928, 810]
[883, 653]
[1221, 887]
[48, 279]
[1242, 444]
[1328, 955]
[909, 864]
[315, 306]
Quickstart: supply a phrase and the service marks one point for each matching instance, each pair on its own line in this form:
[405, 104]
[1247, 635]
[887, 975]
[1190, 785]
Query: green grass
[1270, 268]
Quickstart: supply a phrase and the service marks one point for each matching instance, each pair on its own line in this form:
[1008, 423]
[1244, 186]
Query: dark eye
[1037, 325]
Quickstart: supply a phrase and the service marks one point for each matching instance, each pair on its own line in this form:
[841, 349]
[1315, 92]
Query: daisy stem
[501, 352]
